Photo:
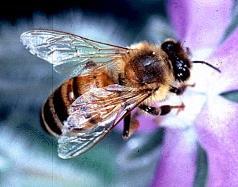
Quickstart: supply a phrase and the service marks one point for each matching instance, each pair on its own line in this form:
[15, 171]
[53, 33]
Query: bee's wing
[67, 52]
[93, 115]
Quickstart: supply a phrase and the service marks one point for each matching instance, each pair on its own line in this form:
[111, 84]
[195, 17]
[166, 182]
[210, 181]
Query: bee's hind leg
[162, 110]
[130, 126]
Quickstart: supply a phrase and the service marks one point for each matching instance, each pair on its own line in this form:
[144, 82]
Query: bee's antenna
[206, 63]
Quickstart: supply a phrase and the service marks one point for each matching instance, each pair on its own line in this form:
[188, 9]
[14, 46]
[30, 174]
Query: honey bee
[106, 82]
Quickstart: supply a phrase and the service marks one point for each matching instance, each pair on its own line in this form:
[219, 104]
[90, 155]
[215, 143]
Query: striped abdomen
[55, 110]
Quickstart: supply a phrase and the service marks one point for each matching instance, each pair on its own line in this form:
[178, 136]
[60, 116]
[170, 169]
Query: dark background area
[125, 12]
[124, 9]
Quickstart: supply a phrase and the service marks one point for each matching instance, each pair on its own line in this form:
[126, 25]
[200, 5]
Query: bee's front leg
[180, 90]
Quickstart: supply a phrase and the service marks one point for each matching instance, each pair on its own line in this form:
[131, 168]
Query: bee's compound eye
[168, 46]
[183, 75]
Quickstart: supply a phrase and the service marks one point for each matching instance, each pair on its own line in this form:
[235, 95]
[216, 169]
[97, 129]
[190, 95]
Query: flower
[209, 117]
[208, 120]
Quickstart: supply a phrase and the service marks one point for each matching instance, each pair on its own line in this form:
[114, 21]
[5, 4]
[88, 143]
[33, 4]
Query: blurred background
[28, 156]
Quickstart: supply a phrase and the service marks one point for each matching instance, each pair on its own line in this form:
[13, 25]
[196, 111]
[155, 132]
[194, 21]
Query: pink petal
[177, 165]
[147, 123]
[200, 23]
[227, 55]
[217, 127]
[178, 11]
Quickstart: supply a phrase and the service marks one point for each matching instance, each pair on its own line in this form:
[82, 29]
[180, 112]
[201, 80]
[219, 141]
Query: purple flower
[209, 120]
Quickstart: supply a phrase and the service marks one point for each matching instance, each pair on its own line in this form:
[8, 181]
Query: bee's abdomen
[54, 111]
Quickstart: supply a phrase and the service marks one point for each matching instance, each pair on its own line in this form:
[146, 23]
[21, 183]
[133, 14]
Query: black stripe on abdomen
[54, 113]
[76, 88]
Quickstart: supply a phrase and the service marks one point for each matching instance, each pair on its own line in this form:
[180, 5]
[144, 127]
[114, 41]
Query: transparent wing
[93, 115]
[68, 52]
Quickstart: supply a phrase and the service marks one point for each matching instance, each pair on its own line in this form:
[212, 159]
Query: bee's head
[178, 57]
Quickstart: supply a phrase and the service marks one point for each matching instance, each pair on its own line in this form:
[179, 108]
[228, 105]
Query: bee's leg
[130, 126]
[180, 90]
[150, 109]
[126, 127]
[162, 110]
[165, 109]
